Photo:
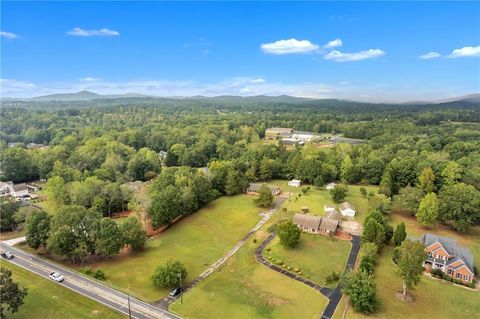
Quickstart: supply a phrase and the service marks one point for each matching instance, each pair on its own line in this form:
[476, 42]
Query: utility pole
[181, 289]
[129, 310]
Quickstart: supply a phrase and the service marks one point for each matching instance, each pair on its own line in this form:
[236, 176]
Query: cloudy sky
[364, 51]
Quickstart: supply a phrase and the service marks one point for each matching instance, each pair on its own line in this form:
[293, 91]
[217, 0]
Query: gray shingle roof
[308, 221]
[450, 245]
[333, 214]
[19, 187]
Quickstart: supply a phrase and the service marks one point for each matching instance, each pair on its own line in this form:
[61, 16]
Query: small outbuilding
[328, 208]
[295, 183]
[254, 188]
[347, 209]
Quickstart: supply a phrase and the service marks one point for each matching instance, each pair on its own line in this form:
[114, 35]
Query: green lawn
[316, 256]
[434, 299]
[246, 289]
[197, 241]
[48, 300]
[315, 199]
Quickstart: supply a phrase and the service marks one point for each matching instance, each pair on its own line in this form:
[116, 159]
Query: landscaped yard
[197, 241]
[246, 289]
[434, 299]
[48, 300]
[316, 256]
[315, 199]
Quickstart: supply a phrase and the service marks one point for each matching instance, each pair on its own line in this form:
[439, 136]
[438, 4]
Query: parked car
[7, 255]
[56, 276]
[175, 292]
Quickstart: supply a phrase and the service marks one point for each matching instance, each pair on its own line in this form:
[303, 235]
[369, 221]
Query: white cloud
[290, 46]
[430, 55]
[465, 52]
[89, 79]
[338, 56]
[258, 80]
[104, 32]
[9, 35]
[334, 43]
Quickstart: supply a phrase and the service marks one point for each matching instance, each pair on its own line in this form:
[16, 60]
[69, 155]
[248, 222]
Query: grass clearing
[316, 256]
[48, 300]
[246, 289]
[434, 299]
[315, 199]
[197, 241]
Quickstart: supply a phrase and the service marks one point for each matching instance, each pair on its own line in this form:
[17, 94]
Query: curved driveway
[333, 295]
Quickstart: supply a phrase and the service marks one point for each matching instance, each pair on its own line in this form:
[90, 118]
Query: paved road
[88, 287]
[333, 295]
[165, 302]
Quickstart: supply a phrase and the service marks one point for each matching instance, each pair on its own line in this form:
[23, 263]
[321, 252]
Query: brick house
[444, 254]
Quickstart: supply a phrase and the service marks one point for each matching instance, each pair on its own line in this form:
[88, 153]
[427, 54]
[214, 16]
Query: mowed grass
[243, 288]
[315, 199]
[48, 300]
[316, 256]
[434, 299]
[197, 241]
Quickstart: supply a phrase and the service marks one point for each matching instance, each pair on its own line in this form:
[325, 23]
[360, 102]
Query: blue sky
[363, 51]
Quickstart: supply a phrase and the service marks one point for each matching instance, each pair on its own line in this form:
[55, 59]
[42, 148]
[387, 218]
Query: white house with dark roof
[254, 188]
[444, 254]
[347, 209]
[19, 190]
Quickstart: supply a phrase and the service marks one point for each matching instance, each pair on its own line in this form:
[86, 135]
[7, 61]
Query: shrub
[279, 262]
[99, 274]
[254, 240]
[458, 282]
[168, 274]
[437, 273]
[332, 277]
[396, 255]
[272, 228]
[296, 269]
[472, 284]
[87, 271]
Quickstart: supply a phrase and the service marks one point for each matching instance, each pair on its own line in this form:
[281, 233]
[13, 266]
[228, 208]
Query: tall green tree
[265, 197]
[427, 180]
[338, 193]
[360, 286]
[410, 261]
[133, 233]
[451, 173]
[169, 275]
[12, 295]
[289, 234]
[459, 203]
[37, 226]
[8, 209]
[400, 234]
[165, 206]
[110, 238]
[427, 214]
[374, 232]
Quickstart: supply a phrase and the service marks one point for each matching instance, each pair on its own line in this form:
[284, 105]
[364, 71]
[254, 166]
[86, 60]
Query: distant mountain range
[89, 96]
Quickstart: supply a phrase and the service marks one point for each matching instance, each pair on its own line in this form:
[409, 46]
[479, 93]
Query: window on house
[450, 272]
[467, 278]
[458, 276]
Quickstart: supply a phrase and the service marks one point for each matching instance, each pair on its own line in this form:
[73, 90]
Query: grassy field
[197, 241]
[434, 299]
[315, 199]
[48, 300]
[246, 289]
[316, 256]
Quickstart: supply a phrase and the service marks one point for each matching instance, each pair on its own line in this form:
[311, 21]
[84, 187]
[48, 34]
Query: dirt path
[165, 302]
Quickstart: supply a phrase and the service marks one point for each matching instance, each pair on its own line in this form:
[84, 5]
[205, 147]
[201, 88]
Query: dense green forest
[95, 147]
